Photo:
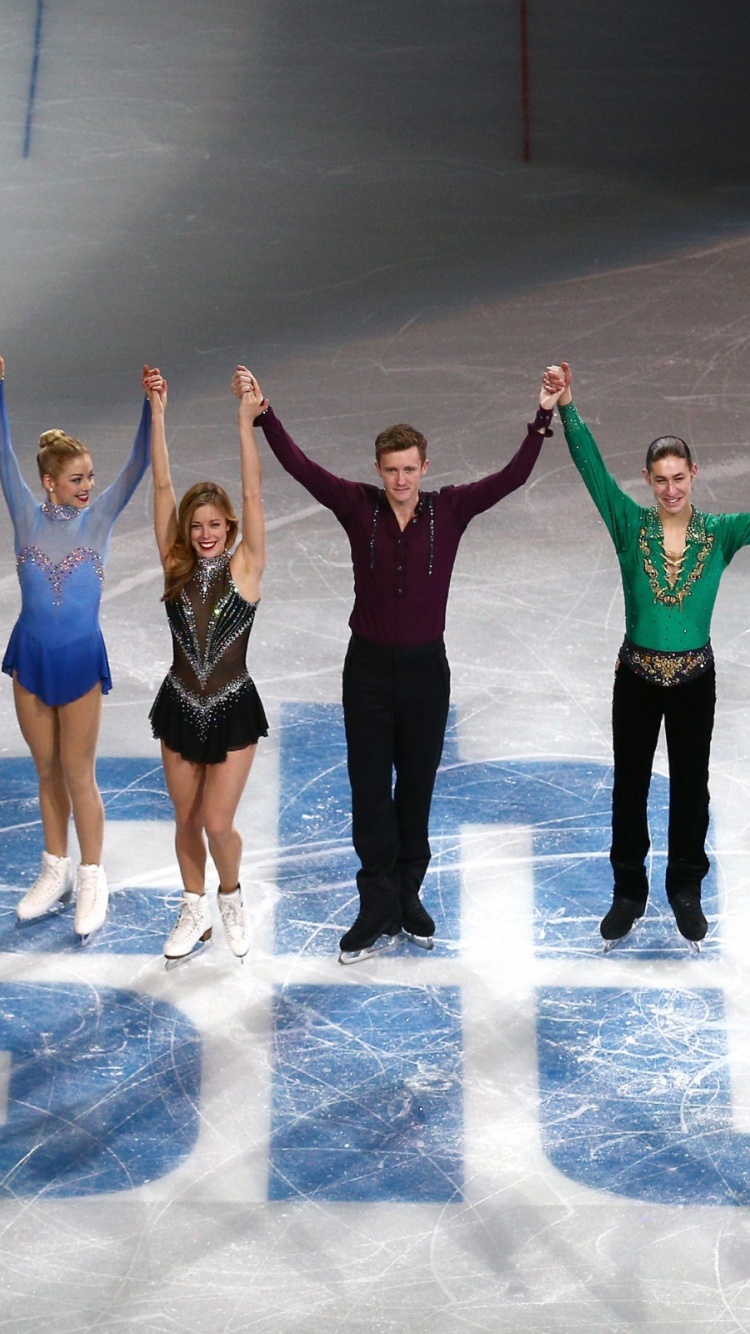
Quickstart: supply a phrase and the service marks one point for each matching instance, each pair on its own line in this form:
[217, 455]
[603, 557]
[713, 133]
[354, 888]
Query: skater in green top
[672, 558]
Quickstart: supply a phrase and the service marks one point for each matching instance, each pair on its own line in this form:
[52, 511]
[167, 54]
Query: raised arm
[336, 493]
[249, 559]
[18, 495]
[165, 502]
[619, 511]
[475, 497]
[113, 501]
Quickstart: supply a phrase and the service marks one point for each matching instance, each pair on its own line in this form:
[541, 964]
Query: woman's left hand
[553, 386]
[155, 387]
[248, 391]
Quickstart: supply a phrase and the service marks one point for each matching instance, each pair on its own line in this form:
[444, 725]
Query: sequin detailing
[202, 710]
[663, 668]
[57, 574]
[207, 570]
[427, 502]
[698, 547]
[230, 618]
[60, 513]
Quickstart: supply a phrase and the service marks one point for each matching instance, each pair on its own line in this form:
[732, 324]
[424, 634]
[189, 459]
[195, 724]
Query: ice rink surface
[514, 1132]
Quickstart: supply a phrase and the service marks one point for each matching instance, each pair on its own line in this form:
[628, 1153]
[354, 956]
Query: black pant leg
[369, 720]
[689, 721]
[423, 698]
[637, 707]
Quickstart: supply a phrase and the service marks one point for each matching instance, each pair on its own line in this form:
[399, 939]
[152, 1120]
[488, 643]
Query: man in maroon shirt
[396, 686]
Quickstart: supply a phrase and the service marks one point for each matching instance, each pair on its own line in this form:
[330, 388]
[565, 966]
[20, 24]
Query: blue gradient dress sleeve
[112, 502]
[18, 496]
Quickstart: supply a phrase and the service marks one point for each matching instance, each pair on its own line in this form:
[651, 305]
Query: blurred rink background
[513, 1133]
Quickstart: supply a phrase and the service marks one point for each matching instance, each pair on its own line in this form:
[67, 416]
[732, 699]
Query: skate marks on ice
[514, 1051]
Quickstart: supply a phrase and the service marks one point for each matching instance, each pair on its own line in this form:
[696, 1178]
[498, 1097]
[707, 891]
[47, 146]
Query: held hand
[248, 391]
[555, 386]
[155, 387]
[2, 369]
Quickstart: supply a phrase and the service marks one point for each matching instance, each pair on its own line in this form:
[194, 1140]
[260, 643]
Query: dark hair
[181, 559]
[396, 438]
[666, 445]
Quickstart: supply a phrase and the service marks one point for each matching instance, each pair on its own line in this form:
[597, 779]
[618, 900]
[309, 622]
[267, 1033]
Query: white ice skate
[191, 933]
[92, 899]
[232, 910]
[54, 885]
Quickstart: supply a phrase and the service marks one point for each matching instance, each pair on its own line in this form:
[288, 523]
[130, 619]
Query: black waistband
[370, 646]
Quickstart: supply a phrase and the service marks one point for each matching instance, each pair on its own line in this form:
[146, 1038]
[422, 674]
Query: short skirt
[204, 728]
[61, 674]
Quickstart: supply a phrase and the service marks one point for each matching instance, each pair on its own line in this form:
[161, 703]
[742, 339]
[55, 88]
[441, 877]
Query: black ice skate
[622, 917]
[688, 913]
[368, 936]
[417, 924]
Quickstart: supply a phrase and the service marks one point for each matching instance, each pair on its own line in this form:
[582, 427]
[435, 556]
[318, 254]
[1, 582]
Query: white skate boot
[92, 898]
[233, 920]
[191, 933]
[55, 883]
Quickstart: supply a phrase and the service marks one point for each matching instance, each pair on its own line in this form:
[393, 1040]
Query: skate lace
[90, 887]
[47, 880]
[189, 914]
[231, 915]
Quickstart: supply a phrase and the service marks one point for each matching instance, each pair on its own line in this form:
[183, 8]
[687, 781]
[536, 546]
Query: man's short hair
[399, 437]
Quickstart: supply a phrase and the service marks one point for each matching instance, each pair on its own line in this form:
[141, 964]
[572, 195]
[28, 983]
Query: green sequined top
[657, 616]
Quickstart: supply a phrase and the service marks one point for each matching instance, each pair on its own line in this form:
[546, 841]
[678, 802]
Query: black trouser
[395, 711]
[638, 707]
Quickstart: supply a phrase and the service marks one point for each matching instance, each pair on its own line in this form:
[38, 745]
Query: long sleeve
[114, 499]
[336, 493]
[19, 498]
[620, 513]
[475, 497]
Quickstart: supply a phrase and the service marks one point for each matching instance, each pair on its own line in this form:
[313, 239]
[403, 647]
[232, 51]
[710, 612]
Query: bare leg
[79, 724]
[40, 729]
[185, 783]
[225, 784]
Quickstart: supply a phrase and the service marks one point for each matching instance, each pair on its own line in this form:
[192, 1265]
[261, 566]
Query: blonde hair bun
[51, 437]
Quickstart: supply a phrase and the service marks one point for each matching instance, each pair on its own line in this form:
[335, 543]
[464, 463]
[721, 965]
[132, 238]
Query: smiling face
[401, 471]
[671, 480]
[73, 484]
[208, 531]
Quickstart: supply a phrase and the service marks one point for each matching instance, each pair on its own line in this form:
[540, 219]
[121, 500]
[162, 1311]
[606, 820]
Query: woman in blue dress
[208, 715]
[56, 654]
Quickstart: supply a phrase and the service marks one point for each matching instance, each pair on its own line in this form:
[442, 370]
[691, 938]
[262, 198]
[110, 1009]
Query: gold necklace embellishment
[651, 536]
[673, 563]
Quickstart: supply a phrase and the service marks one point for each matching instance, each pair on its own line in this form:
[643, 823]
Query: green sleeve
[734, 532]
[620, 513]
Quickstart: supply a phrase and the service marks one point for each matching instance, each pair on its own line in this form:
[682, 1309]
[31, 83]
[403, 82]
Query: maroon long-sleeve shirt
[401, 579]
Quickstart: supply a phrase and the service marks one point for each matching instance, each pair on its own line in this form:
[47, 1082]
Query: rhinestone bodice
[210, 623]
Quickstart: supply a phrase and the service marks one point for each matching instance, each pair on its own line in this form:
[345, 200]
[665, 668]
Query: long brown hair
[181, 559]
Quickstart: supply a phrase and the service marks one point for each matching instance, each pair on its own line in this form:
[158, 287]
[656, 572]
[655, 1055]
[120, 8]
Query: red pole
[525, 96]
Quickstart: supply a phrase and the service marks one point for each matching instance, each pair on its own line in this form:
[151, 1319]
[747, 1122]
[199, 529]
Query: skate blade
[169, 963]
[83, 937]
[424, 942]
[694, 946]
[610, 945]
[58, 905]
[377, 947]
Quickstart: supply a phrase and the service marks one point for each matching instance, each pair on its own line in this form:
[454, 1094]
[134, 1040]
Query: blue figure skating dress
[56, 647]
